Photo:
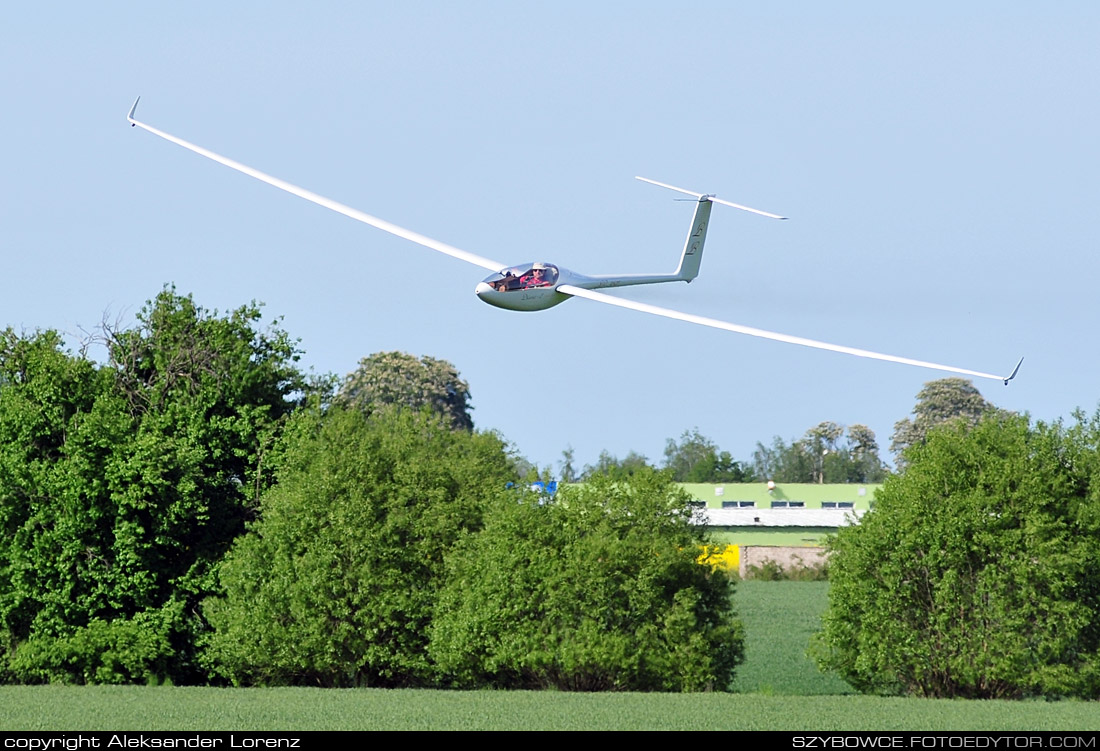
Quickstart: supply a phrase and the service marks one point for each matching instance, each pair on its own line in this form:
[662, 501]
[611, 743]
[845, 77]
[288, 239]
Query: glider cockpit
[529, 286]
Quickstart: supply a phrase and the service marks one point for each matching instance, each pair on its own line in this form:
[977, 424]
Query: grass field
[778, 688]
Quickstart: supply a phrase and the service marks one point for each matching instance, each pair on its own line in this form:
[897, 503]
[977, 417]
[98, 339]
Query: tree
[695, 458]
[122, 485]
[598, 590]
[610, 465]
[568, 472]
[975, 574]
[399, 379]
[334, 585]
[865, 464]
[822, 456]
[938, 402]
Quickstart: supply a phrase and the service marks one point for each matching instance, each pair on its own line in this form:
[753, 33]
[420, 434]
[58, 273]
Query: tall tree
[822, 455]
[398, 378]
[122, 485]
[568, 471]
[938, 402]
[695, 458]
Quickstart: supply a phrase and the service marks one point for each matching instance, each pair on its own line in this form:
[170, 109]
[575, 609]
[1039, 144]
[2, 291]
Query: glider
[537, 286]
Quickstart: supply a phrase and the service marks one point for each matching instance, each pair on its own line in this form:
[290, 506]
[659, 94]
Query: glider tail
[693, 246]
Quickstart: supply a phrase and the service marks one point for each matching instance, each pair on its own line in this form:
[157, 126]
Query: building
[786, 515]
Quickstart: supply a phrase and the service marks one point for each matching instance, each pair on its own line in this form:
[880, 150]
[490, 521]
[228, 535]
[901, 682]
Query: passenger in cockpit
[535, 279]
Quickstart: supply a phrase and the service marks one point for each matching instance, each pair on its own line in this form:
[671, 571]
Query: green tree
[598, 590]
[938, 402]
[975, 574]
[397, 378]
[610, 465]
[568, 471]
[695, 458]
[334, 585]
[822, 455]
[122, 485]
[866, 465]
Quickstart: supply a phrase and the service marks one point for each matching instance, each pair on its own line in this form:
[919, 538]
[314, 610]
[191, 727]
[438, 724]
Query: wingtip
[130, 117]
[1014, 371]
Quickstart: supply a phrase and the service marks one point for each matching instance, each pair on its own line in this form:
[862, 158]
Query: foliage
[120, 651]
[122, 485]
[822, 455]
[599, 590]
[398, 378]
[975, 575]
[695, 458]
[938, 402]
[619, 469]
[724, 558]
[334, 585]
[568, 471]
[771, 571]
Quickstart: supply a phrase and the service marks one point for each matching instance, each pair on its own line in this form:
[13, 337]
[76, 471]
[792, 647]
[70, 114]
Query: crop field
[778, 688]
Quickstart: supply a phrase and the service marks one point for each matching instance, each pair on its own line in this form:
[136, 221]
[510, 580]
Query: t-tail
[692, 256]
[693, 248]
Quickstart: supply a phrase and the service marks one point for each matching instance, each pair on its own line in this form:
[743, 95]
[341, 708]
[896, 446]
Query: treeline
[196, 510]
[826, 453]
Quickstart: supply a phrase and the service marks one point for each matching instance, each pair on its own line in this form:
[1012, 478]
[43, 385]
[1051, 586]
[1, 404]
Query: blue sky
[939, 165]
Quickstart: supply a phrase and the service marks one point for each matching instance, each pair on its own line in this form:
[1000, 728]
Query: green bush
[976, 573]
[123, 651]
[596, 590]
[771, 571]
[334, 585]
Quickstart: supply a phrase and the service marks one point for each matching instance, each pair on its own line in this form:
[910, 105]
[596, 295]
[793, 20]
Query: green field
[778, 688]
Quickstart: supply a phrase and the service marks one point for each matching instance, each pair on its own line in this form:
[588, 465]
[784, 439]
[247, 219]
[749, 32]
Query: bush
[597, 590]
[334, 586]
[976, 573]
[123, 651]
[771, 571]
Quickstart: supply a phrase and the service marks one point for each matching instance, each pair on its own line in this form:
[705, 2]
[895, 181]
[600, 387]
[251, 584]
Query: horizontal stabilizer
[710, 197]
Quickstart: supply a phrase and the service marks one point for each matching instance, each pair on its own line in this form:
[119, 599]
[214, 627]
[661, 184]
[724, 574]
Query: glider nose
[482, 289]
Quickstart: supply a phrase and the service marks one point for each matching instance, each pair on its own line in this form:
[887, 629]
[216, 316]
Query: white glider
[537, 286]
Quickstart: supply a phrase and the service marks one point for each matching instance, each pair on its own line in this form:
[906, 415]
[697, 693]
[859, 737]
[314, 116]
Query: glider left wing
[320, 200]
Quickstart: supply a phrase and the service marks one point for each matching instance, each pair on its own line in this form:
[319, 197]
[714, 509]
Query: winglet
[130, 117]
[1014, 371]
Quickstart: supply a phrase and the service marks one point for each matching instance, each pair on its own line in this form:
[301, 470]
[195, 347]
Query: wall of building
[786, 557]
[812, 495]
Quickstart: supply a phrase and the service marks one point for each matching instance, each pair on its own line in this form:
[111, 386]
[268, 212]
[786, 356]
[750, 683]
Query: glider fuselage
[533, 286]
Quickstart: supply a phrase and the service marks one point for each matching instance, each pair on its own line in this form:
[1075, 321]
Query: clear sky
[940, 166]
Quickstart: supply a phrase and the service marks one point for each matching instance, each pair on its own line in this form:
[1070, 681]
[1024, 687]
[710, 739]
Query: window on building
[788, 504]
[837, 504]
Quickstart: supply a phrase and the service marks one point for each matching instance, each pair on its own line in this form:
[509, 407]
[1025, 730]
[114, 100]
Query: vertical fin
[693, 246]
